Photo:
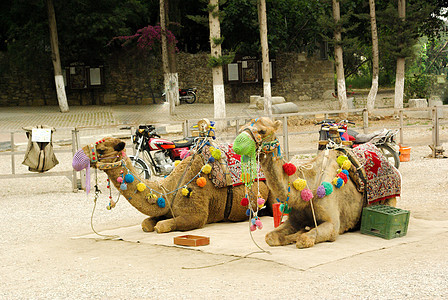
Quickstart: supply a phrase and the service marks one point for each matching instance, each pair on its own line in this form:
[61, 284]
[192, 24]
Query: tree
[338, 57]
[215, 50]
[375, 59]
[399, 79]
[58, 78]
[265, 57]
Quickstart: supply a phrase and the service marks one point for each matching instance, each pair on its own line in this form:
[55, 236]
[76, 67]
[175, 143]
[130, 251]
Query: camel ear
[120, 146]
[277, 125]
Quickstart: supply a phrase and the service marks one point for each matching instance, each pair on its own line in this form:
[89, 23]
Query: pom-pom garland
[260, 202]
[141, 187]
[346, 165]
[341, 159]
[201, 181]
[306, 195]
[206, 169]
[161, 202]
[216, 154]
[289, 168]
[120, 179]
[320, 192]
[299, 184]
[129, 178]
[328, 188]
[244, 201]
[123, 187]
[211, 159]
[176, 162]
[343, 176]
[284, 208]
[338, 182]
[186, 191]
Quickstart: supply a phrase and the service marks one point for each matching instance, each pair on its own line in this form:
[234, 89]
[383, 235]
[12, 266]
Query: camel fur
[205, 205]
[335, 213]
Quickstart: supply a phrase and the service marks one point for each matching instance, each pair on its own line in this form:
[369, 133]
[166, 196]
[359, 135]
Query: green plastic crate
[384, 221]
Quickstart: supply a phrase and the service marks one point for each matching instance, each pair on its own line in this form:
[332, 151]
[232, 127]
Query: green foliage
[214, 62]
[419, 86]
[218, 41]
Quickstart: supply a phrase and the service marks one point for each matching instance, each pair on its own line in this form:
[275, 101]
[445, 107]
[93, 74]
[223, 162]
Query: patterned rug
[227, 171]
[383, 179]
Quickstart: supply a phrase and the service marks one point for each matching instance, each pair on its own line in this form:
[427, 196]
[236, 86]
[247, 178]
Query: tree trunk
[342, 93]
[218, 82]
[399, 77]
[265, 57]
[375, 59]
[58, 78]
[170, 78]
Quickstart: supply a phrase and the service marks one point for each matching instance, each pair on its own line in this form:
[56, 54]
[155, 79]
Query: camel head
[106, 150]
[259, 134]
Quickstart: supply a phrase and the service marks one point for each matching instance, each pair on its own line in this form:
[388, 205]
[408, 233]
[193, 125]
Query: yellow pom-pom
[201, 181]
[206, 169]
[185, 192]
[216, 153]
[341, 159]
[211, 149]
[339, 171]
[141, 187]
[299, 184]
[346, 165]
[176, 162]
[335, 181]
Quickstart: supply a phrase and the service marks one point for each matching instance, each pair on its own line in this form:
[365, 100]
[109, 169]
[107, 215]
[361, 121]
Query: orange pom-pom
[201, 181]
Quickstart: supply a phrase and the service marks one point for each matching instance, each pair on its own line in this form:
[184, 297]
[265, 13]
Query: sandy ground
[40, 260]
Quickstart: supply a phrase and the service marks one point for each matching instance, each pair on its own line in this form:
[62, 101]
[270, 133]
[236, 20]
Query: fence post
[435, 131]
[13, 161]
[401, 126]
[285, 136]
[365, 120]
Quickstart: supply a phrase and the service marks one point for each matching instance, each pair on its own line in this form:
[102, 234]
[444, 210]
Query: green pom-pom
[328, 188]
[244, 145]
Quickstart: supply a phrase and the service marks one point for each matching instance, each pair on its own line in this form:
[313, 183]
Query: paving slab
[234, 239]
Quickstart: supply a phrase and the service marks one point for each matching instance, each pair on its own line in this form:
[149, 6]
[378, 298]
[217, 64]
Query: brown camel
[334, 214]
[203, 205]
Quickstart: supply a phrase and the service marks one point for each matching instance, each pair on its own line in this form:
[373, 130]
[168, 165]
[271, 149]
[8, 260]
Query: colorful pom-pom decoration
[306, 195]
[201, 181]
[253, 227]
[123, 187]
[284, 208]
[206, 169]
[259, 224]
[299, 184]
[346, 165]
[216, 154]
[129, 178]
[343, 176]
[341, 159]
[120, 179]
[248, 212]
[176, 162]
[141, 187]
[260, 201]
[211, 159]
[328, 188]
[289, 168]
[185, 192]
[338, 182]
[161, 202]
[244, 201]
[184, 154]
[345, 172]
[320, 192]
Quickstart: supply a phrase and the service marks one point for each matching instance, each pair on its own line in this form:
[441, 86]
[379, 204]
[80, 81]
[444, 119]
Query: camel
[169, 210]
[333, 214]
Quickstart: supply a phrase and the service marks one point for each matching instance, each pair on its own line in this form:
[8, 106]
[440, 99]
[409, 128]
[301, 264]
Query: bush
[418, 86]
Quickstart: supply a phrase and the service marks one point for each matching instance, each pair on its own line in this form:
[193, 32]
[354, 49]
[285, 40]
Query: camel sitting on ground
[164, 200]
[334, 213]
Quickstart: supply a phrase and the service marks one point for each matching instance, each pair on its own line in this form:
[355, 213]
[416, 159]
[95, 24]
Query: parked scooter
[188, 95]
[159, 153]
[338, 133]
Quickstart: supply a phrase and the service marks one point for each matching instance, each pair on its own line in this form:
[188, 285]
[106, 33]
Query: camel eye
[262, 132]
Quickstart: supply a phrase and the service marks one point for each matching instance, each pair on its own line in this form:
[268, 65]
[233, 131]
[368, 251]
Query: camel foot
[163, 226]
[148, 225]
[275, 239]
[305, 241]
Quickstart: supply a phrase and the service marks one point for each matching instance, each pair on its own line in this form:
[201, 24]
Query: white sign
[41, 135]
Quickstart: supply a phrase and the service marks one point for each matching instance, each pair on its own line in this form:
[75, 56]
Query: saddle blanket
[383, 180]
[227, 170]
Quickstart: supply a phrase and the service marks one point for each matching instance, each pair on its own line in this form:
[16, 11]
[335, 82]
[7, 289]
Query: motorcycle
[338, 133]
[188, 95]
[158, 152]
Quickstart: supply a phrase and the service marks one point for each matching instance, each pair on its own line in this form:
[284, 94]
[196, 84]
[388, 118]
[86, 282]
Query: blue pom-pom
[161, 202]
[248, 212]
[123, 186]
[253, 221]
[129, 178]
[340, 182]
[345, 172]
[211, 159]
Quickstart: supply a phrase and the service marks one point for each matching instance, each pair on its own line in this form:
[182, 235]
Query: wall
[136, 79]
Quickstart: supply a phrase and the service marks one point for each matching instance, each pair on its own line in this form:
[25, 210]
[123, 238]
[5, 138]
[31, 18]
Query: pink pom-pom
[120, 179]
[343, 177]
[306, 194]
[259, 224]
[289, 169]
[260, 201]
[253, 227]
[184, 153]
[320, 192]
[244, 201]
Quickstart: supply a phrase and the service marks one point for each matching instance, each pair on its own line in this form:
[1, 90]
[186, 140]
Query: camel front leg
[326, 232]
[182, 223]
[285, 234]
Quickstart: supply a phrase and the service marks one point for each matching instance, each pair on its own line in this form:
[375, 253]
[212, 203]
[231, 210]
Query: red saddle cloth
[383, 180]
